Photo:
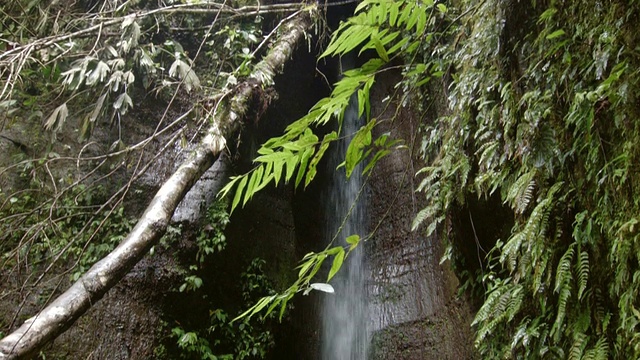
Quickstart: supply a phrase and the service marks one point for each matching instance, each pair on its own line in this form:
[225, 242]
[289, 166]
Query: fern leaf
[521, 191]
[583, 272]
[424, 214]
[511, 249]
[563, 274]
[515, 302]
[488, 307]
[600, 351]
[540, 270]
[577, 348]
[563, 300]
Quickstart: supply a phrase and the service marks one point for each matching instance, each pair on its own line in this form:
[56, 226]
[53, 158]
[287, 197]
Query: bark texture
[60, 314]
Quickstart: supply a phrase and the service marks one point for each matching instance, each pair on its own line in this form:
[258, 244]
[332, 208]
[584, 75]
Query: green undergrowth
[215, 336]
[211, 295]
[40, 231]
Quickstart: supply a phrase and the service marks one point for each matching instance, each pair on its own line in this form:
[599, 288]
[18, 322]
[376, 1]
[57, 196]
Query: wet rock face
[414, 310]
[126, 323]
[434, 337]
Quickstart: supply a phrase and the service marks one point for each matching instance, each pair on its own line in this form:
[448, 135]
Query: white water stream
[344, 313]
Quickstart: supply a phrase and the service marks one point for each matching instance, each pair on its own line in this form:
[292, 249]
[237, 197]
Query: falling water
[344, 319]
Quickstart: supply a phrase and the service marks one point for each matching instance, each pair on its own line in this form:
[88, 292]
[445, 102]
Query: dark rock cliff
[415, 310]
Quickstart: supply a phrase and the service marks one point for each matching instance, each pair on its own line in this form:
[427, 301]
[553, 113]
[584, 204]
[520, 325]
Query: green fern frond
[563, 300]
[515, 302]
[583, 272]
[433, 173]
[545, 147]
[489, 304]
[500, 310]
[563, 288]
[427, 213]
[541, 268]
[601, 314]
[520, 335]
[520, 192]
[511, 249]
[577, 347]
[502, 305]
[525, 261]
[599, 352]
[563, 273]
[538, 221]
[488, 153]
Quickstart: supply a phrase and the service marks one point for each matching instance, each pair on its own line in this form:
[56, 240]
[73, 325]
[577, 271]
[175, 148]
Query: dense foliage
[541, 113]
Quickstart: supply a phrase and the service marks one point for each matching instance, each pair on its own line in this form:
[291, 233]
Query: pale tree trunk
[60, 314]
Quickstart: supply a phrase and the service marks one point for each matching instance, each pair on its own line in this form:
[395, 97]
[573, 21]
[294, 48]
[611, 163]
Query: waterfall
[344, 313]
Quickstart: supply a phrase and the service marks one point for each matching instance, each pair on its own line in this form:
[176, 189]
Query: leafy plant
[225, 339]
[540, 111]
[209, 240]
[73, 229]
[111, 58]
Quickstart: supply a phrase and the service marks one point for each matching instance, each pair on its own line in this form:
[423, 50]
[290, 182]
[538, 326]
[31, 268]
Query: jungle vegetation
[528, 104]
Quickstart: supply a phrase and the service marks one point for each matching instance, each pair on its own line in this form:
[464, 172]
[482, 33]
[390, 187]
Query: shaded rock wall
[415, 312]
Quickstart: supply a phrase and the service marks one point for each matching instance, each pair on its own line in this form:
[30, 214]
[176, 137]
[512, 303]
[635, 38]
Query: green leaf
[306, 266]
[225, 190]
[306, 155]
[421, 22]
[337, 264]
[239, 190]
[353, 240]
[261, 304]
[311, 172]
[254, 181]
[379, 155]
[355, 151]
[382, 53]
[291, 163]
[394, 10]
[277, 170]
[555, 34]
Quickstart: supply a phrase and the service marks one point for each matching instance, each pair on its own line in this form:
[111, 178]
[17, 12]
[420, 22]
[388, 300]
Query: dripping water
[344, 335]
